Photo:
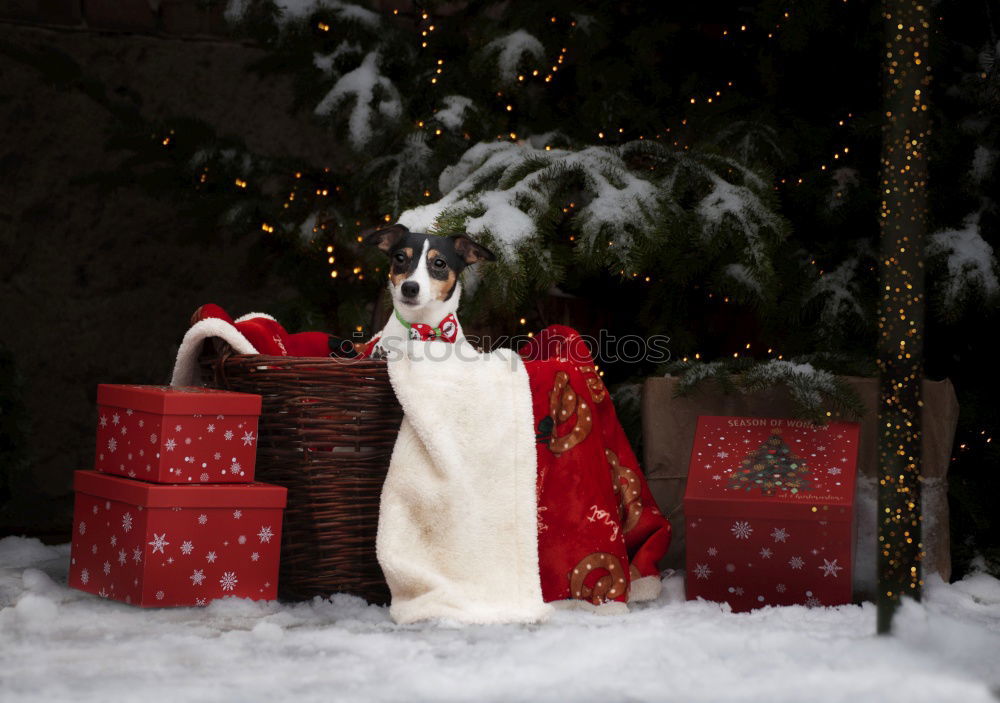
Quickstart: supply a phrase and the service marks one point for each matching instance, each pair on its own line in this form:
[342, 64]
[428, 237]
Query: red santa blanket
[600, 533]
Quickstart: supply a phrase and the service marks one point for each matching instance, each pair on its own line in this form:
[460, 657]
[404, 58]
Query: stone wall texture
[97, 283]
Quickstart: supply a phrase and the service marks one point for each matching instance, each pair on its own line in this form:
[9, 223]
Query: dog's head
[424, 269]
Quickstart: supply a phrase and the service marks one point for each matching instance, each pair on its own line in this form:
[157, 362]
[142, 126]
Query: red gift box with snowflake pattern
[156, 545]
[769, 510]
[176, 434]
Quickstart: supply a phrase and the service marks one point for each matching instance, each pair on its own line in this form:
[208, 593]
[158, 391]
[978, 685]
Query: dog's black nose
[410, 288]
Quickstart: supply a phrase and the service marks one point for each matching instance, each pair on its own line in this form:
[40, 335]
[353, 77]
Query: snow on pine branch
[296, 10]
[502, 191]
[375, 99]
[971, 265]
[455, 111]
[838, 292]
[510, 49]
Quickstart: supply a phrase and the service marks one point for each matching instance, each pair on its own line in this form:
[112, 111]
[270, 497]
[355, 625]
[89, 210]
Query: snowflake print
[821, 448]
[122, 557]
[765, 553]
[93, 549]
[217, 456]
[197, 577]
[95, 510]
[82, 528]
[159, 542]
[115, 418]
[716, 477]
[211, 428]
[199, 601]
[187, 547]
[248, 439]
[104, 420]
[741, 529]
[159, 595]
[722, 455]
[796, 562]
[738, 590]
[833, 470]
[702, 571]
[202, 519]
[107, 568]
[177, 428]
[813, 602]
[265, 534]
[171, 444]
[228, 434]
[124, 429]
[142, 423]
[712, 551]
[242, 539]
[210, 557]
[830, 568]
[204, 477]
[102, 593]
[235, 468]
[85, 577]
[136, 555]
[228, 581]
[112, 445]
[114, 541]
[152, 438]
[780, 588]
[780, 534]
[127, 521]
[128, 411]
[237, 514]
[254, 557]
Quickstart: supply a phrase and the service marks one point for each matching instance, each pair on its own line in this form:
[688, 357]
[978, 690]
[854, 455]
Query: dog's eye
[400, 257]
[439, 263]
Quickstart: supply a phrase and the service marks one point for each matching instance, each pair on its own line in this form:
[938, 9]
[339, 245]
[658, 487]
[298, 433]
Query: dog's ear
[472, 252]
[385, 238]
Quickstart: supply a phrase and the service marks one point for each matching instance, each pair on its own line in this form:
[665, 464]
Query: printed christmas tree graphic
[771, 467]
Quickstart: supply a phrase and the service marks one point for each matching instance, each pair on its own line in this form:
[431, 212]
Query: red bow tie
[447, 329]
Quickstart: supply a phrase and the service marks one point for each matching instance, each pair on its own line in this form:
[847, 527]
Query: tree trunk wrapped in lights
[901, 309]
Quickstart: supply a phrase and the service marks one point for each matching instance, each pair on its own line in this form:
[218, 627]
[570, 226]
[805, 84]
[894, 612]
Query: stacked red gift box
[769, 507]
[171, 516]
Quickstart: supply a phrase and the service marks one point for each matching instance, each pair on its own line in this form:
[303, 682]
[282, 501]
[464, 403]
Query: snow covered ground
[57, 644]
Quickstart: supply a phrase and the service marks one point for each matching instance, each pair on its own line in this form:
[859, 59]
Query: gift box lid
[178, 400]
[772, 467]
[161, 495]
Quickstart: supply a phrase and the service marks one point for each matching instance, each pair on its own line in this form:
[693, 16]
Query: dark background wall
[98, 277]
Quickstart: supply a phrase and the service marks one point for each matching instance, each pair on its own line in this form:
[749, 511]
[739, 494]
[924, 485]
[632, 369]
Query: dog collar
[446, 330]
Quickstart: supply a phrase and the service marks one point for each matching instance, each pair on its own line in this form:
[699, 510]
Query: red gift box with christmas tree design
[769, 506]
[168, 545]
[176, 435]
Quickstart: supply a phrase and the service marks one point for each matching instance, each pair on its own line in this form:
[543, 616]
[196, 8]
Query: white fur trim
[186, 367]
[645, 588]
[250, 315]
[611, 607]
[457, 533]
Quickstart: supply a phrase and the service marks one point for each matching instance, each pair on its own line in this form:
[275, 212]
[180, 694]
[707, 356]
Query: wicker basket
[327, 429]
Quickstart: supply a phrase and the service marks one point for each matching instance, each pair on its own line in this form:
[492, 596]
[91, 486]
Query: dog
[424, 283]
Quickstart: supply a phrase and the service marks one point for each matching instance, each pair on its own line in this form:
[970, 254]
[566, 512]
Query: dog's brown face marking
[443, 277]
[402, 265]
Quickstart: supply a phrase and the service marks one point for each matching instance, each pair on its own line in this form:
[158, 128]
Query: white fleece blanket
[457, 526]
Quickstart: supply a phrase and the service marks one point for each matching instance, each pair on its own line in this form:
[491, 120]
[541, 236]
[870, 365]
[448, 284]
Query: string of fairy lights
[903, 224]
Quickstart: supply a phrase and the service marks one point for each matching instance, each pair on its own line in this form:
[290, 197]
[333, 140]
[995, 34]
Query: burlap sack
[668, 425]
